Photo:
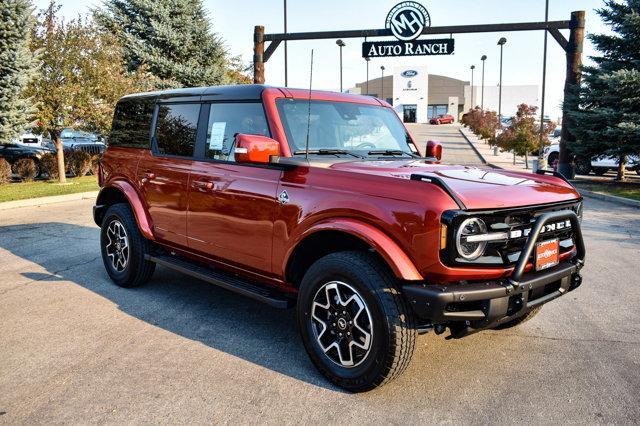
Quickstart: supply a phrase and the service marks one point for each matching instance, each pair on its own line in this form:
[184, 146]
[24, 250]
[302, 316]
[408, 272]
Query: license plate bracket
[547, 254]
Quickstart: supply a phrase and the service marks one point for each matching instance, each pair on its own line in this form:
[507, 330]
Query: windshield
[334, 127]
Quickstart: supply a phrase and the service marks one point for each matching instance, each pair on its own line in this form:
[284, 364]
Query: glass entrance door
[409, 113]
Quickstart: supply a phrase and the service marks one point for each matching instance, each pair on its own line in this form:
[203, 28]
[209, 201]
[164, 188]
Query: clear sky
[234, 21]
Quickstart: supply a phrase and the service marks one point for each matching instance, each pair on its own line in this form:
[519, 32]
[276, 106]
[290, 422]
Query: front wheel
[355, 325]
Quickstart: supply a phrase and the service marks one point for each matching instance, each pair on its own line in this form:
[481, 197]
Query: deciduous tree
[81, 76]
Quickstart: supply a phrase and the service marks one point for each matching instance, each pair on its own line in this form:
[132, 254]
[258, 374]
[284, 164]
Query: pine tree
[17, 67]
[607, 113]
[172, 38]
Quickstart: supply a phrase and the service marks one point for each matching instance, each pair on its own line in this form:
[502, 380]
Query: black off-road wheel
[124, 248]
[355, 325]
[520, 320]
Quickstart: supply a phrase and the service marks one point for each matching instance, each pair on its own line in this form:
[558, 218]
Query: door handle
[203, 184]
[148, 176]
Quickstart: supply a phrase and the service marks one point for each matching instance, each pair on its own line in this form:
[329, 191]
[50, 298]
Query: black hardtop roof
[222, 93]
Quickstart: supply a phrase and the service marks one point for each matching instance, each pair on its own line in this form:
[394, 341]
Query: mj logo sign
[407, 20]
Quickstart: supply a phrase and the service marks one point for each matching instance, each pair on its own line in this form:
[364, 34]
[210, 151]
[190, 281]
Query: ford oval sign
[409, 73]
[406, 20]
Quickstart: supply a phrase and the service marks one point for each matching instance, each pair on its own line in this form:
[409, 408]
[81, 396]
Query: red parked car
[322, 201]
[442, 119]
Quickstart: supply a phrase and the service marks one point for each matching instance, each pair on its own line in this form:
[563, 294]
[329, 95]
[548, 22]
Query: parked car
[81, 140]
[442, 119]
[322, 201]
[13, 152]
[598, 165]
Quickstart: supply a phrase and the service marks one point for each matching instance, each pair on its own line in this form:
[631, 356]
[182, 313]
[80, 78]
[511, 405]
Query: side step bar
[224, 280]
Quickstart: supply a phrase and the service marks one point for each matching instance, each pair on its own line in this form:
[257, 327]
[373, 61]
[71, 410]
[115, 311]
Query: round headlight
[471, 250]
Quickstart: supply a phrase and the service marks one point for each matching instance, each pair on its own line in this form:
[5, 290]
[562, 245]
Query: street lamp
[473, 67]
[367, 59]
[501, 43]
[340, 44]
[382, 81]
[483, 58]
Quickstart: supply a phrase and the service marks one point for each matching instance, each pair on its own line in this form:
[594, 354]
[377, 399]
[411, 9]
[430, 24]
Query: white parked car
[599, 165]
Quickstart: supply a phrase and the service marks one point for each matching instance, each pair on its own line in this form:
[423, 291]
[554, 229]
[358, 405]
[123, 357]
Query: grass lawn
[627, 190]
[23, 190]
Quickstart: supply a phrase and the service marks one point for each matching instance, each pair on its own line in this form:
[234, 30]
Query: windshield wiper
[327, 152]
[391, 152]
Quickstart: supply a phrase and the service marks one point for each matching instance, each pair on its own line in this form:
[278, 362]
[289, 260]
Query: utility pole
[286, 75]
[544, 83]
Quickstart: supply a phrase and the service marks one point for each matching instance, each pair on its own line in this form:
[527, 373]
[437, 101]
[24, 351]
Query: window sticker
[216, 142]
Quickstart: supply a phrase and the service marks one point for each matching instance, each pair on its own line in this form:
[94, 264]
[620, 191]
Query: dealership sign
[406, 21]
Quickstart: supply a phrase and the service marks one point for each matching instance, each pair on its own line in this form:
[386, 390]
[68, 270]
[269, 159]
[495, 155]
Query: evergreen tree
[606, 115]
[17, 67]
[172, 38]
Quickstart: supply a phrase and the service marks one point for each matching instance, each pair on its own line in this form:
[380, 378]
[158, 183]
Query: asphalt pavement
[455, 148]
[74, 348]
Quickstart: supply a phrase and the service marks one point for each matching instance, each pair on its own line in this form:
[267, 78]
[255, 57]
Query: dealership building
[417, 96]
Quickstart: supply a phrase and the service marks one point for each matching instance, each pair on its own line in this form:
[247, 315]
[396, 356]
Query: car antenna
[309, 108]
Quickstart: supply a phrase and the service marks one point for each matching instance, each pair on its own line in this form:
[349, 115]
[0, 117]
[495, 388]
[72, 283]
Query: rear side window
[132, 123]
[177, 128]
[228, 119]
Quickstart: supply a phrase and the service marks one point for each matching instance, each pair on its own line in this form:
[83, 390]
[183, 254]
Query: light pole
[544, 83]
[340, 44]
[382, 81]
[367, 59]
[483, 58]
[501, 43]
[286, 77]
[473, 67]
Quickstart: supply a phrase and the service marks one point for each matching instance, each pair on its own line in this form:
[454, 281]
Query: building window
[436, 110]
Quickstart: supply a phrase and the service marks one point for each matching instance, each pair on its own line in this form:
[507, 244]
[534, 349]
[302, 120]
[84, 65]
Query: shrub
[49, 165]
[5, 171]
[95, 160]
[25, 168]
[78, 162]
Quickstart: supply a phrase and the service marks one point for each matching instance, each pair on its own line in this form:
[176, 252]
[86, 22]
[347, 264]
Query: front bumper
[470, 307]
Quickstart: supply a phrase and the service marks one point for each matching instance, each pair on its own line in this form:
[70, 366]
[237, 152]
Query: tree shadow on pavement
[172, 301]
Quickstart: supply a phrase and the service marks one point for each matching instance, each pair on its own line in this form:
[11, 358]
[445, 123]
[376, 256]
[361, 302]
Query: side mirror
[255, 149]
[434, 149]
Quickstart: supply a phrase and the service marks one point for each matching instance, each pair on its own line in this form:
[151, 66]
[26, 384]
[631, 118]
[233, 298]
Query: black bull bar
[482, 305]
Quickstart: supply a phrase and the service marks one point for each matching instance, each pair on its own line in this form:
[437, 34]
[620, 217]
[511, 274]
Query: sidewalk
[504, 160]
[28, 202]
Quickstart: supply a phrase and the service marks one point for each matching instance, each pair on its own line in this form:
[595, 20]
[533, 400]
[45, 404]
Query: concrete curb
[484, 161]
[610, 198]
[48, 200]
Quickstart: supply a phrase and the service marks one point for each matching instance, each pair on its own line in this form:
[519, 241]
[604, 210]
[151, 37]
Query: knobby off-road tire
[526, 317]
[374, 302]
[124, 248]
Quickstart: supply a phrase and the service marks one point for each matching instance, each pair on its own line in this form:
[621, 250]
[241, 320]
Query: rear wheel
[354, 323]
[124, 248]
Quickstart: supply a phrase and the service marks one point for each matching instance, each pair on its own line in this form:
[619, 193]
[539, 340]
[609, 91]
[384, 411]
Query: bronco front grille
[517, 223]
